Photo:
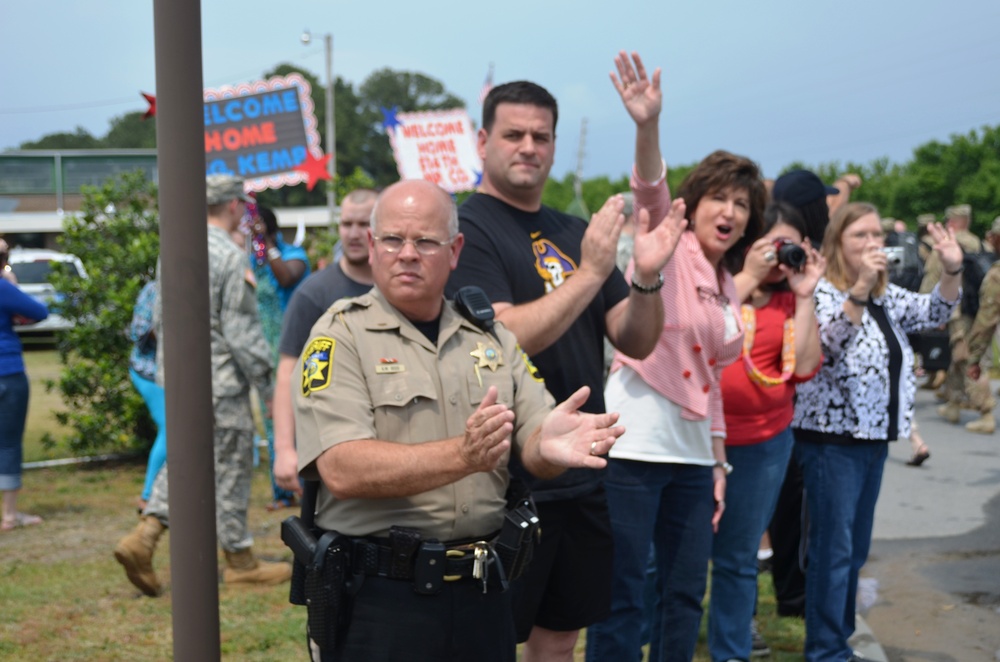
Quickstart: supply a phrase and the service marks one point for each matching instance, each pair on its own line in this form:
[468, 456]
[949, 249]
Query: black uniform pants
[787, 532]
[392, 623]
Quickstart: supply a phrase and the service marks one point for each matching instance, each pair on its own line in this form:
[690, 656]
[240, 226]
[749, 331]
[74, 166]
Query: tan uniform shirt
[368, 373]
[981, 335]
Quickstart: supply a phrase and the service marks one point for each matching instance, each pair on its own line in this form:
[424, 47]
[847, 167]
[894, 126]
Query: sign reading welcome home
[439, 146]
[261, 130]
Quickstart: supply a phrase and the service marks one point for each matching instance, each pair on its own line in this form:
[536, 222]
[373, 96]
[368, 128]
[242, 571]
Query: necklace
[787, 349]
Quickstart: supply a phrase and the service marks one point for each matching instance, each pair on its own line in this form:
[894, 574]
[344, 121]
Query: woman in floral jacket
[861, 399]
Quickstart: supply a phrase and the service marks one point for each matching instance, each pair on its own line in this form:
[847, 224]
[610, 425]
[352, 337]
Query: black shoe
[791, 611]
[758, 647]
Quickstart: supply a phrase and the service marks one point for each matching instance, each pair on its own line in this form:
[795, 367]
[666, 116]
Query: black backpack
[976, 265]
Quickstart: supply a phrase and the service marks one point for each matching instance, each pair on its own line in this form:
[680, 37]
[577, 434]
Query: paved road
[936, 554]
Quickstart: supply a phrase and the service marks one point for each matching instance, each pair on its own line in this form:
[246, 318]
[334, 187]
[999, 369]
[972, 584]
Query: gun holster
[328, 600]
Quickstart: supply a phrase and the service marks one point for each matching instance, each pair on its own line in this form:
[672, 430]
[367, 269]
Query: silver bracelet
[648, 289]
[273, 253]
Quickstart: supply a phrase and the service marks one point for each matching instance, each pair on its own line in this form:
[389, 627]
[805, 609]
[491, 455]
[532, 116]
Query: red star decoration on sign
[314, 169]
[151, 100]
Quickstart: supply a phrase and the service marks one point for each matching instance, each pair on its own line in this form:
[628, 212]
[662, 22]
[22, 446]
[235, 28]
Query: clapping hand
[572, 438]
[654, 247]
[600, 241]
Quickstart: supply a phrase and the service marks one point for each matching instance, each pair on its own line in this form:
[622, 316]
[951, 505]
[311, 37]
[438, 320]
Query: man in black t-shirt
[350, 276]
[553, 282]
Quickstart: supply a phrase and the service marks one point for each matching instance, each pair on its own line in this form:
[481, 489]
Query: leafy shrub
[116, 235]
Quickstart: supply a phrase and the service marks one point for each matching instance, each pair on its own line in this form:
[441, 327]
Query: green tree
[131, 131]
[117, 237]
[80, 139]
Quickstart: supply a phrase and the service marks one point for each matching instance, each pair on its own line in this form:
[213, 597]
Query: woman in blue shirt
[15, 307]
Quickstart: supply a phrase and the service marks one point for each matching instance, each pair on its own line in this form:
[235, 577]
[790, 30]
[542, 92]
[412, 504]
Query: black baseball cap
[800, 187]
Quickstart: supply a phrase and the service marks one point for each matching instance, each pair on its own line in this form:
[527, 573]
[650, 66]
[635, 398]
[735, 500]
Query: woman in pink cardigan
[666, 477]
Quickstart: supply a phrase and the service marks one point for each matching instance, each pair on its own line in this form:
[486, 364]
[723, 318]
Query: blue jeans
[671, 506]
[155, 398]
[751, 492]
[842, 484]
[13, 413]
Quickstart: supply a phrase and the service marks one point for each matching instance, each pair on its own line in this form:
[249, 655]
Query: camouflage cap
[958, 210]
[223, 188]
[995, 228]
[923, 220]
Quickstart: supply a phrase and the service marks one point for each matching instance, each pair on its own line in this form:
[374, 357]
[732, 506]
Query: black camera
[789, 253]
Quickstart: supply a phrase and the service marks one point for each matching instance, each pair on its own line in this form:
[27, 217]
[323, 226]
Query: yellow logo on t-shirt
[551, 264]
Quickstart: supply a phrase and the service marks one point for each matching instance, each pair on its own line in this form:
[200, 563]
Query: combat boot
[950, 412]
[135, 552]
[984, 425]
[243, 568]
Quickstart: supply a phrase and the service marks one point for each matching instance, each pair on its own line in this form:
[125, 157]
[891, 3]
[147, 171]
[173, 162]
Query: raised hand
[947, 248]
[654, 248]
[642, 97]
[571, 438]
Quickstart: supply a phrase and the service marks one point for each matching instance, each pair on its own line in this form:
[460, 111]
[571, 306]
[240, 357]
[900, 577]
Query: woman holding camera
[861, 399]
[666, 477]
[780, 349]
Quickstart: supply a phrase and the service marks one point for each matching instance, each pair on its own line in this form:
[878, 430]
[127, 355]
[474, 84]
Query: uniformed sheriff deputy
[408, 412]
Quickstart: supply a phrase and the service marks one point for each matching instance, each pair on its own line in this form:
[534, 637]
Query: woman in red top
[780, 348]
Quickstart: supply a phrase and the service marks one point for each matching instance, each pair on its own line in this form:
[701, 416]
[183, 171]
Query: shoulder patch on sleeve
[317, 364]
[532, 370]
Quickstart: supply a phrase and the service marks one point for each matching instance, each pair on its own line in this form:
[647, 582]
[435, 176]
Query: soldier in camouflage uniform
[240, 358]
[958, 388]
[980, 337]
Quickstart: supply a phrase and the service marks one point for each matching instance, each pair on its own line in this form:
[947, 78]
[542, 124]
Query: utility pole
[331, 127]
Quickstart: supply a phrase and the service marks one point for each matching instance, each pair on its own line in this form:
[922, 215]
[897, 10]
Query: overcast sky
[777, 81]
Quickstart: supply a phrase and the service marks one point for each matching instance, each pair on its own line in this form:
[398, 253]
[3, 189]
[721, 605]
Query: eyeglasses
[424, 245]
[706, 294]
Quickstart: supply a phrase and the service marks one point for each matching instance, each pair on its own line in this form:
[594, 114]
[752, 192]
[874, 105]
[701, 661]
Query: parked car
[32, 267]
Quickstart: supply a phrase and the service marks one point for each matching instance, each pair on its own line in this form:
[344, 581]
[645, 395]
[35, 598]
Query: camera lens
[792, 256]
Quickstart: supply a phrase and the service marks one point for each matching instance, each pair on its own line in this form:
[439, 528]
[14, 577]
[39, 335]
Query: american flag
[487, 85]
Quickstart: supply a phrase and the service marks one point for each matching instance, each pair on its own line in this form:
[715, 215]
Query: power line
[68, 106]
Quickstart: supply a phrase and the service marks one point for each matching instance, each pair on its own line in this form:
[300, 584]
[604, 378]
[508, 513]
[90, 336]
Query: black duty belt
[375, 558]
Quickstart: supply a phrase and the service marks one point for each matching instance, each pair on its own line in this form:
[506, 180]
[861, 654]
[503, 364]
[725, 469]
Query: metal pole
[331, 133]
[186, 344]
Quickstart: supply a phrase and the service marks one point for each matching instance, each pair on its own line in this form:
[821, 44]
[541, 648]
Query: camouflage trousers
[233, 475]
[958, 387]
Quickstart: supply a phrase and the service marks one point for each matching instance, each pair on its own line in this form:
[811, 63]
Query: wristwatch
[725, 466]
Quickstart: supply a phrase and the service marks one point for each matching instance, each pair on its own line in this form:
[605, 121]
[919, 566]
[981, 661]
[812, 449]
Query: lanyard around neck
[749, 314]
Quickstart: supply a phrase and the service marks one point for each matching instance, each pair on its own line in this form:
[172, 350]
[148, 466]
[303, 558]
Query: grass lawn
[64, 597]
[42, 362]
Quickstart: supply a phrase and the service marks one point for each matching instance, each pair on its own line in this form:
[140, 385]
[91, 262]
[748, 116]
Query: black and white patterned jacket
[850, 394]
